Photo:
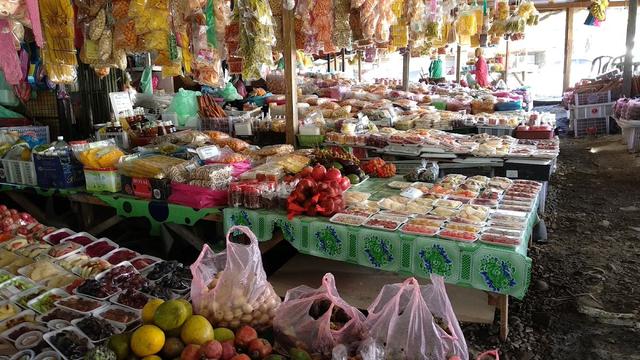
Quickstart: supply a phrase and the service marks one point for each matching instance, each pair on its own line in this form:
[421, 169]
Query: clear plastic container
[116, 315]
[46, 302]
[86, 342]
[15, 286]
[80, 304]
[115, 328]
[346, 219]
[57, 236]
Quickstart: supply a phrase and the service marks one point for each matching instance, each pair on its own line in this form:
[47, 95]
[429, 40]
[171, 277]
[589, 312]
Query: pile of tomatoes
[318, 193]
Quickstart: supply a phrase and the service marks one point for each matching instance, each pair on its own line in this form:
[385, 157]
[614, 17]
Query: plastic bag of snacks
[416, 322]
[215, 292]
[316, 320]
[98, 155]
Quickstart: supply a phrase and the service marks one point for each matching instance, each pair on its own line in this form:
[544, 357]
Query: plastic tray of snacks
[25, 316]
[46, 302]
[82, 238]
[382, 222]
[517, 198]
[58, 313]
[358, 212]
[5, 276]
[58, 324]
[14, 333]
[506, 215]
[9, 309]
[23, 298]
[48, 267]
[457, 235]
[64, 249]
[527, 182]
[517, 203]
[462, 199]
[347, 219]
[463, 227]
[127, 298]
[82, 347]
[91, 267]
[417, 208]
[34, 250]
[504, 231]
[144, 261]
[518, 208]
[516, 225]
[367, 205]
[424, 202]
[426, 222]
[103, 323]
[399, 184]
[500, 240]
[101, 247]
[355, 197]
[57, 236]
[432, 217]
[521, 195]
[89, 287]
[62, 281]
[416, 229]
[124, 264]
[484, 202]
[397, 203]
[493, 194]
[117, 256]
[16, 243]
[119, 315]
[524, 189]
[80, 304]
[443, 211]
[47, 355]
[418, 184]
[30, 340]
[15, 286]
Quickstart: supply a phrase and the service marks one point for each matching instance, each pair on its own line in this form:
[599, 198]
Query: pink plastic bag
[416, 322]
[231, 288]
[306, 317]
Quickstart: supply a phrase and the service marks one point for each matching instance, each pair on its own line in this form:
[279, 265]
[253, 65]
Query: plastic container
[496, 130]
[92, 304]
[28, 354]
[387, 223]
[42, 308]
[5, 276]
[590, 126]
[137, 263]
[22, 299]
[592, 98]
[116, 299]
[96, 249]
[7, 334]
[102, 313]
[57, 236]
[120, 255]
[346, 219]
[9, 288]
[116, 329]
[456, 235]
[420, 230]
[20, 172]
[500, 240]
[48, 337]
[16, 308]
[58, 324]
[26, 316]
[91, 239]
[102, 180]
[47, 355]
[60, 171]
[70, 248]
[58, 313]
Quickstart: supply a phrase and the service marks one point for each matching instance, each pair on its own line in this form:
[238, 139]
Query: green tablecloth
[477, 265]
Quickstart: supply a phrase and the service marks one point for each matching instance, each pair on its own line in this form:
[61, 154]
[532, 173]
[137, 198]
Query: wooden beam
[406, 60]
[290, 75]
[458, 55]
[359, 66]
[105, 225]
[575, 5]
[627, 72]
[568, 49]
[506, 64]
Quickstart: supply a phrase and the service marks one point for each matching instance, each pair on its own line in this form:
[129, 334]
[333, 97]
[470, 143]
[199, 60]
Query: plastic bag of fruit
[231, 288]
[416, 322]
[316, 320]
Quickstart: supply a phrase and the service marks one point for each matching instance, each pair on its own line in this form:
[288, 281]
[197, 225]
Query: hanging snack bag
[416, 322]
[316, 320]
[231, 288]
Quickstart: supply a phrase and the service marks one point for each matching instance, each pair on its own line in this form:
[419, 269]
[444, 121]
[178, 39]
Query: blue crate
[60, 172]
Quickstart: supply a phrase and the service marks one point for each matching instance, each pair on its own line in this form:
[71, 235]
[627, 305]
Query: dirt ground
[589, 270]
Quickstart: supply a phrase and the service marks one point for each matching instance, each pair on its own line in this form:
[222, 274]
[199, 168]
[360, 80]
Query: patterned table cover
[477, 265]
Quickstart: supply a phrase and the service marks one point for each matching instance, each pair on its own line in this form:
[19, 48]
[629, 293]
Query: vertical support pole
[568, 49]
[328, 63]
[503, 305]
[289, 40]
[627, 71]
[342, 52]
[506, 64]
[335, 62]
[458, 55]
[359, 66]
[405, 68]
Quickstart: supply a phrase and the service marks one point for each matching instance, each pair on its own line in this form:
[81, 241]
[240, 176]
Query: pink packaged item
[197, 197]
[416, 322]
[317, 320]
[215, 290]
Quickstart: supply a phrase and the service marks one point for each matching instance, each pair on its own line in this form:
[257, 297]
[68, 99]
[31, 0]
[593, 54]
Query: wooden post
[458, 55]
[503, 305]
[405, 68]
[506, 64]
[627, 71]
[335, 62]
[289, 39]
[568, 49]
[359, 66]
[342, 52]
[328, 63]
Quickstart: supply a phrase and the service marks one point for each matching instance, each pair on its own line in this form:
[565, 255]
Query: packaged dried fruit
[347, 219]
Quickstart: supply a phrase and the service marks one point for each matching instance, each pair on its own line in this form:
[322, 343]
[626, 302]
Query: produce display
[319, 191]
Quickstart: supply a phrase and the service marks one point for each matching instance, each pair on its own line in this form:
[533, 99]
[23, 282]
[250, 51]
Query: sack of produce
[231, 288]
[416, 322]
[316, 320]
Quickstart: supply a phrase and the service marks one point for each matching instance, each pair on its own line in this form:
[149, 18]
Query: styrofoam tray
[48, 338]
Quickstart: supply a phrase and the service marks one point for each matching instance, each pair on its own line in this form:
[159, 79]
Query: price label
[120, 102]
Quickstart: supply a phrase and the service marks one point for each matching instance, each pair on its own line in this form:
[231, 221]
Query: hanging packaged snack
[58, 54]
[341, 31]
[256, 38]
[120, 9]
[152, 20]
[136, 8]
[125, 37]
[322, 23]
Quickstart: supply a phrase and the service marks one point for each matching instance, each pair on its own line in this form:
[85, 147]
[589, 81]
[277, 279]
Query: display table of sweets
[490, 254]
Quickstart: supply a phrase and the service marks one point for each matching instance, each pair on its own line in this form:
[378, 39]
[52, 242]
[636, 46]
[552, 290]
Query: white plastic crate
[581, 126]
[20, 172]
[39, 132]
[121, 138]
[496, 130]
[591, 111]
[593, 98]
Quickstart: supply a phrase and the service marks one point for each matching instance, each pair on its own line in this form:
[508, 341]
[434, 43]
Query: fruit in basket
[149, 310]
[197, 330]
[172, 314]
[212, 349]
[172, 348]
[147, 340]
